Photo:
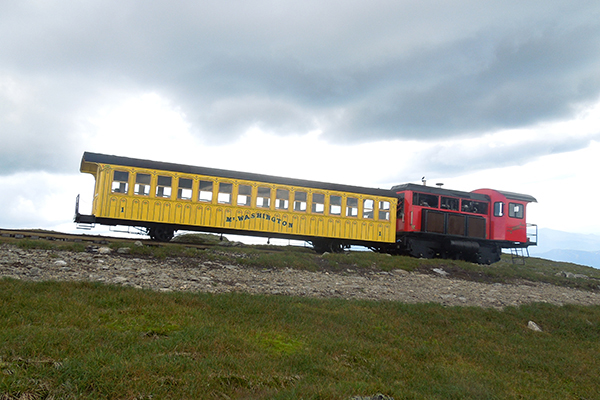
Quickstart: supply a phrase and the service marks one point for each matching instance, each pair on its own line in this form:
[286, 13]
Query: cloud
[358, 72]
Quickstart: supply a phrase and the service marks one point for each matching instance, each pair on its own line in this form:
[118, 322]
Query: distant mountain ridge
[577, 248]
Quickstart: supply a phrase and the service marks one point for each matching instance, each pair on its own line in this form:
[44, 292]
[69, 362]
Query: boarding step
[519, 254]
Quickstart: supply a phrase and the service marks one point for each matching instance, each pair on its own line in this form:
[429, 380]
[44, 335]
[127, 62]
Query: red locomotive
[474, 226]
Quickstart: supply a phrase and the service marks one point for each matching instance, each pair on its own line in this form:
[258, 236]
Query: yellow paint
[132, 207]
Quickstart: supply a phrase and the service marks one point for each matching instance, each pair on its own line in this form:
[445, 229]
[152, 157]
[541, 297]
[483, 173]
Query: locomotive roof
[89, 157]
[517, 196]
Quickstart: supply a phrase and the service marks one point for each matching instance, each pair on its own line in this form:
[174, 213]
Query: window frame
[202, 191]
[335, 205]
[314, 205]
[300, 201]
[122, 186]
[370, 214]
[225, 193]
[246, 196]
[142, 188]
[282, 199]
[160, 186]
[519, 214]
[352, 210]
[261, 198]
[185, 193]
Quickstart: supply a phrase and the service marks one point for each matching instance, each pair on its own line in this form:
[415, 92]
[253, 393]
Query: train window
[263, 198]
[335, 205]
[120, 180]
[184, 191]
[244, 195]
[448, 203]
[318, 203]
[425, 200]
[299, 201]
[282, 197]
[225, 191]
[498, 209]
[142, 185]
[163, 186]
[351, 207]
[475, 207]
[368, 208]
[384, 210]
[515, 210]
[206, 191]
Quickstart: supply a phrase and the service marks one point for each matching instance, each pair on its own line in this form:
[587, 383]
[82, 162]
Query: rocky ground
[187, 274]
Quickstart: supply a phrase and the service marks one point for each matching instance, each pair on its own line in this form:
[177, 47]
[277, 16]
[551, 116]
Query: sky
[495, 94]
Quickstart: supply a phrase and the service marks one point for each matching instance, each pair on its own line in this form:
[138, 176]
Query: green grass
[91, 341]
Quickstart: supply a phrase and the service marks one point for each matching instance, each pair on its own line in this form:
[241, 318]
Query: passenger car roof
[89, 157]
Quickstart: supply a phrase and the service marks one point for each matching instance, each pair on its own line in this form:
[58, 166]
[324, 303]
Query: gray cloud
[358, 71]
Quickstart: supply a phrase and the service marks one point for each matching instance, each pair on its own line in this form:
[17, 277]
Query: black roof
[189, 169]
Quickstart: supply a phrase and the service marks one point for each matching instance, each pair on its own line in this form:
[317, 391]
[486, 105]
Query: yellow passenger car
[165, 197]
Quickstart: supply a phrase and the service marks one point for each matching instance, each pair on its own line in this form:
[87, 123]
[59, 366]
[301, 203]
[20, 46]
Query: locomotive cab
[508, 217]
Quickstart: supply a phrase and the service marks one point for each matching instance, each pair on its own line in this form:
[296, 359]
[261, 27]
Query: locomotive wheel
[161, 233]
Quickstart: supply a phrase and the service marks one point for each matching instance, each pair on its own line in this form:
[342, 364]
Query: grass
[92, 341]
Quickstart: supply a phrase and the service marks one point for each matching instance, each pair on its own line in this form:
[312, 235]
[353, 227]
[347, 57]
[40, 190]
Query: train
[162, 198]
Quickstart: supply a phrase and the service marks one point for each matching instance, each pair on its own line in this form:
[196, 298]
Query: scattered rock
[123, 250]
[534, 327]
[376, 397]
[571, 275]
[440, 271]
[104, 250]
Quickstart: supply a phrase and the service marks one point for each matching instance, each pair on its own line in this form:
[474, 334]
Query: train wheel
[161, 233]
[420, 249]
[327, 246]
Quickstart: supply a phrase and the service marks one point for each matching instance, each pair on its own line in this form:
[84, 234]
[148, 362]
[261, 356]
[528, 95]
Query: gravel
[185, 274]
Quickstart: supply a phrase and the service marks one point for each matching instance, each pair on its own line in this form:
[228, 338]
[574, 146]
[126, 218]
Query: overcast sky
[501, 94]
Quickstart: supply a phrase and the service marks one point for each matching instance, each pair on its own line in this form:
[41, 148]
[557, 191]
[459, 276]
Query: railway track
[40, 234]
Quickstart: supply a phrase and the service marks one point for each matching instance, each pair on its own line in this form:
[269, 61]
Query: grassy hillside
[82, 340]
[92, 341]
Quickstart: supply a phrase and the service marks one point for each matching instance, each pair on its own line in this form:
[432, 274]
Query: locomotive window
[119, 184]
[425, 200]
[475, 207]
[225, 190]
[163, 187]
[206, 191]
[449, 203]
[335, 205]
[384, 210]
[282, 199]
[300, 201]
[515, 210]
[142, 184]
[184, 192]
[244, 195]
[318, 203]
[498, 209]
[351, 207]
[263, 199]
[368, 207]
